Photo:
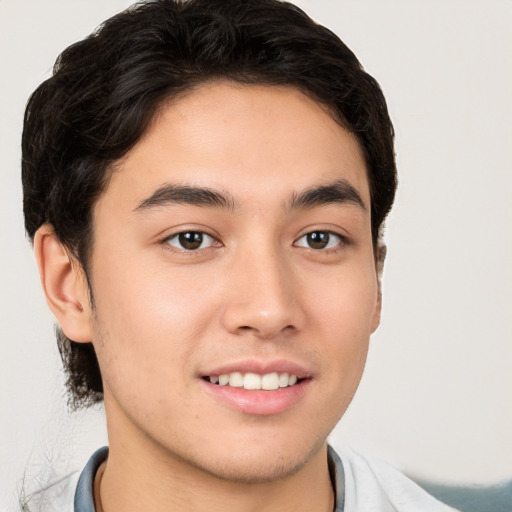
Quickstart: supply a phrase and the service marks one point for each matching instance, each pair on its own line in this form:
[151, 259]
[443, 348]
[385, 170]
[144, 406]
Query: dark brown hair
[106, 88]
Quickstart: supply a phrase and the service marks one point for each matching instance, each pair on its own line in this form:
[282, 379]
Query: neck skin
[137, 475]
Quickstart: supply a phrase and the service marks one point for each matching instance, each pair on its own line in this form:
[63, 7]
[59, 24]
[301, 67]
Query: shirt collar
[84, 495]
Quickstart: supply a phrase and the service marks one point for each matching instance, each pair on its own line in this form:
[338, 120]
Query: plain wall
[437, 392]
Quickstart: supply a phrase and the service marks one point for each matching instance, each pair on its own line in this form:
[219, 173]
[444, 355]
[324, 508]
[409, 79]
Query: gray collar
[84, 495]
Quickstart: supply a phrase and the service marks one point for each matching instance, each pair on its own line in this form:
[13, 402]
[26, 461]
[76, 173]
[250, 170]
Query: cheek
[149, 324]
[344, 314]
[345, 304]
[153, 298]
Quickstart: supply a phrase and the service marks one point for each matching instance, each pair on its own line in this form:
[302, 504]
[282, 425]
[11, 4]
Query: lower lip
[259, 402]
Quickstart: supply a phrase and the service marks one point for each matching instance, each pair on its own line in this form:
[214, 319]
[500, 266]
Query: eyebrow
[187, 194]
[341, 191]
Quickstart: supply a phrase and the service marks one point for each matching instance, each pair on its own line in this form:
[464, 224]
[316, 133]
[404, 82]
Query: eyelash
[200, 237]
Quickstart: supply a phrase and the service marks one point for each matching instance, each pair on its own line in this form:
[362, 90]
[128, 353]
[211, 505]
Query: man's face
[234, 238]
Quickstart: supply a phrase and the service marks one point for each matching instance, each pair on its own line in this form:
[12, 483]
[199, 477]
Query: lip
[258, 402]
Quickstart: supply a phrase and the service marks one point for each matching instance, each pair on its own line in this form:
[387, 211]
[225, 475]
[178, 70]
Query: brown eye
[319, 240]
[190, 240]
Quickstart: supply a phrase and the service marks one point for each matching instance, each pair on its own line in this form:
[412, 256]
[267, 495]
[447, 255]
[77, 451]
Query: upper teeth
[269, 381]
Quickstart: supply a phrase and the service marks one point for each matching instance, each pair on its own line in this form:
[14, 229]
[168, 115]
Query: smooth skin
[251, 286]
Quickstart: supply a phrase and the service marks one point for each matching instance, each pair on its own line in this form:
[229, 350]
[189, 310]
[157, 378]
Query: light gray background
[436, 397]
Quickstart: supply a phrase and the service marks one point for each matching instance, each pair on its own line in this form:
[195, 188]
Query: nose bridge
[262, 299]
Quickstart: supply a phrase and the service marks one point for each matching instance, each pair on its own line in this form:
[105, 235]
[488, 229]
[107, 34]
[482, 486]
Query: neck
[144, 475]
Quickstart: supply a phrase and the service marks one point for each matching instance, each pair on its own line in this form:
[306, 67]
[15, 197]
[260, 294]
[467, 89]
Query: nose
[263, 297]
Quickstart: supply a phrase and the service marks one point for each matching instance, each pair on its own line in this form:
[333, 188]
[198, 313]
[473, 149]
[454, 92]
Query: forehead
[240, 138]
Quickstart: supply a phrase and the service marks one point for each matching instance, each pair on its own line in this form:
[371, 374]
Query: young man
[205, 184]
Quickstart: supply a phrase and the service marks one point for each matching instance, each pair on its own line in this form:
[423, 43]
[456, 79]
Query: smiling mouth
[249, 380]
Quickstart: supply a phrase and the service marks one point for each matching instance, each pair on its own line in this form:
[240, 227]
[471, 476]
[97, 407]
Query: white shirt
[371, 485]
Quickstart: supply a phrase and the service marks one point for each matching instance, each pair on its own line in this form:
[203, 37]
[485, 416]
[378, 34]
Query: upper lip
[260, 367]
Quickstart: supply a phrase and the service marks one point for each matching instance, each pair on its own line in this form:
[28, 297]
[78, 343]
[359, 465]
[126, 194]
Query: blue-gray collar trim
[84, 495]
[337, 478]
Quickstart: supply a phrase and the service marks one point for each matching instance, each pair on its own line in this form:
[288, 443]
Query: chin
[249, 471]
[258, 464]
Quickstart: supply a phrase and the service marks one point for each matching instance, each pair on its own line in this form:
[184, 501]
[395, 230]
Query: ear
[64, 285]
[380, 256]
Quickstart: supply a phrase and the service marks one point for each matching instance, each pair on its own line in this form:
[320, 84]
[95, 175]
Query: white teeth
[252, 381]
[269, 381]
[236, 380]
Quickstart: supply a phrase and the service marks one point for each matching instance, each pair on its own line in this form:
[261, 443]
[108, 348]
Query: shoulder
[372, 485]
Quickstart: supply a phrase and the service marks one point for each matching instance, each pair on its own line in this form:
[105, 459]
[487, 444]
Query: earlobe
[64, 285]
[376, 312]
[380, 256]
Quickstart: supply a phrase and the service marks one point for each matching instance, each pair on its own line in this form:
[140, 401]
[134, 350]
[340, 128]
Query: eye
[320, 240]
[190, 240]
